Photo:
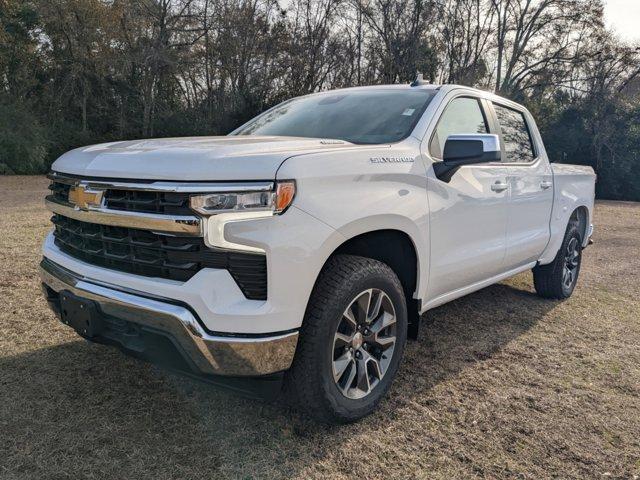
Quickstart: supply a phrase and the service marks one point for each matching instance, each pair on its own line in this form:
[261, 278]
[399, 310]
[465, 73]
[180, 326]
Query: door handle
[499, 186]
[546, 184]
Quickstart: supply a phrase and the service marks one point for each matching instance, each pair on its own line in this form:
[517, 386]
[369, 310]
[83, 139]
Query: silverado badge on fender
[391, 160]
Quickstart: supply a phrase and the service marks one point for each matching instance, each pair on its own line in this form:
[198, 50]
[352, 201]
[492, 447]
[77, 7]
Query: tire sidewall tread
[547, 279]
[309, 379]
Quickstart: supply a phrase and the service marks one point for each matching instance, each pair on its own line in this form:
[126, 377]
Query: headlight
[252, 202]
[275, 201]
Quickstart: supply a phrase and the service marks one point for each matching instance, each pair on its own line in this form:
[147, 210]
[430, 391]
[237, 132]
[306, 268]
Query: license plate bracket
[80, 314]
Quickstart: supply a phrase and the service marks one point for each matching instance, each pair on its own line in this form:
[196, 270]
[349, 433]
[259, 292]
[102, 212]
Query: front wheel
[558, 279]
[351, 341]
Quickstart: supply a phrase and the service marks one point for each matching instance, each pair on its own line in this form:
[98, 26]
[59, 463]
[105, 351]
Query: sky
[624, 17]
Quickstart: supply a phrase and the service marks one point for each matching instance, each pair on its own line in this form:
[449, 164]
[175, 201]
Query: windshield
[365, 116]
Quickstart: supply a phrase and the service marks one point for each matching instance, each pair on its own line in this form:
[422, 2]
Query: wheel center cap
[356, 343]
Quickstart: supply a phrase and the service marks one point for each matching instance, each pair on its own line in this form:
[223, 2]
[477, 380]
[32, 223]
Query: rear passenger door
[530, 185]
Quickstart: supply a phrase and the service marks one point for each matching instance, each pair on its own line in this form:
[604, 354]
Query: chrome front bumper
[225, 354]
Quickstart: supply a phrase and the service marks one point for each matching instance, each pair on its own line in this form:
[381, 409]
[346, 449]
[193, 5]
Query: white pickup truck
[297, 254]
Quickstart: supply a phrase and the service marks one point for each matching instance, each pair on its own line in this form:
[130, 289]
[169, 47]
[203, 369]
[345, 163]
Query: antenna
[419, 80]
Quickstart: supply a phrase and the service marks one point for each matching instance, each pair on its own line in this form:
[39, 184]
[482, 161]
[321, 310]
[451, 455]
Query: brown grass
[501, 384]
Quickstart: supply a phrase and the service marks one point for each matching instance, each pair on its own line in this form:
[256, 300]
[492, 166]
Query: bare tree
[399, 38]
[466, 29]
[534, 36]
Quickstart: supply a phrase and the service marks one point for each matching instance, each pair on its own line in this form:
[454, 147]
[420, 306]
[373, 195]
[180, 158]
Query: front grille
[60, 191]
[153, 255]
[168, 203]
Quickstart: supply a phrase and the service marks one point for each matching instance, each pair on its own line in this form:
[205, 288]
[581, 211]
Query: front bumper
[133, 317]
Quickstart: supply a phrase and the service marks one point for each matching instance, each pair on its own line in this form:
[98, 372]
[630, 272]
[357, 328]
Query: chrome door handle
[499, 187]
[546, 184]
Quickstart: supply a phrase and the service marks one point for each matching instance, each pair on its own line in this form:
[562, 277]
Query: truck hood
[192, 158]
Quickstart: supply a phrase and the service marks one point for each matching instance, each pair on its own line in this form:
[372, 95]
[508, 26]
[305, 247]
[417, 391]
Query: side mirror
[462, 150]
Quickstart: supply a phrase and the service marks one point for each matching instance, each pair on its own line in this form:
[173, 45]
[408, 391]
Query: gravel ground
[501, 384]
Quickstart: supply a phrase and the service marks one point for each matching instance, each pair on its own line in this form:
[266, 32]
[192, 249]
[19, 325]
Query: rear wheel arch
[580, 217]
[558, 279]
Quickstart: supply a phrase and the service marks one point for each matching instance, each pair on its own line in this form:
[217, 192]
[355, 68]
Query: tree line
[75, 72]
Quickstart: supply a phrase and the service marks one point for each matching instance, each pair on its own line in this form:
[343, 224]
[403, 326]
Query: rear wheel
[351, 341]
[558, 279]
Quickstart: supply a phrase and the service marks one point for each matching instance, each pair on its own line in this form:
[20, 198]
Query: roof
[441, 88]
[445, 87]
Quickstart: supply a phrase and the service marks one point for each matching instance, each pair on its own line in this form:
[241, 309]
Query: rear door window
[516, 138]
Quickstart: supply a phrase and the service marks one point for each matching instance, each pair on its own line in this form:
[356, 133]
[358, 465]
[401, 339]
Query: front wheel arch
[396, 249]
[310, 384]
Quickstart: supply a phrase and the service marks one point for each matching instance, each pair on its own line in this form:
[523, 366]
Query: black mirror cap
[467, 151]
[462, 150]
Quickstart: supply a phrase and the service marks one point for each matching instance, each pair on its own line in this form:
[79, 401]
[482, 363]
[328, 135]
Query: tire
[327, 342]
[551, 281]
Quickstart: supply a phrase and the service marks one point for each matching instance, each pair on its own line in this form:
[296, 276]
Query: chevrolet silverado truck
[297, 253]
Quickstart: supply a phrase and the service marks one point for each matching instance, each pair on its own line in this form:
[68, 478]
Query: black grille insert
[168, 203]
[60, 191]
[153, 255]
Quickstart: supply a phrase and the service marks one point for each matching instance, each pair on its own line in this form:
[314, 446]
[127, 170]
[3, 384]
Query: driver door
[468, 214]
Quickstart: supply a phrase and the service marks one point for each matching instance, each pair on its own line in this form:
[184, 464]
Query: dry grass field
[501, 384]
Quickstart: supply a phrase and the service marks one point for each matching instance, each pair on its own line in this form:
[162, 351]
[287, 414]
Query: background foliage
[74, 72]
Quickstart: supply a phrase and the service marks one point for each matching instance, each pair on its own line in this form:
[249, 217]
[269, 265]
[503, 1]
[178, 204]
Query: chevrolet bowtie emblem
[85, 198]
